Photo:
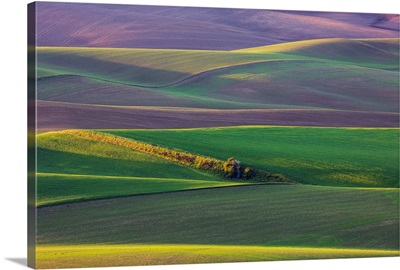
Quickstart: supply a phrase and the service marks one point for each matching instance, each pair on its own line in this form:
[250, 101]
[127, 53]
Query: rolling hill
[142, 67]
[162, 68]
[374, 49]
[334, 76]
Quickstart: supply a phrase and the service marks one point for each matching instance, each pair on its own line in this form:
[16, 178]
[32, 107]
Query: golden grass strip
[158, 254]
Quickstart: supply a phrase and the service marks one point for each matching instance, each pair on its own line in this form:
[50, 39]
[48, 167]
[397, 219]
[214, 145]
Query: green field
[207, 224]
[73, 168]
[366, 157]
[263, 216]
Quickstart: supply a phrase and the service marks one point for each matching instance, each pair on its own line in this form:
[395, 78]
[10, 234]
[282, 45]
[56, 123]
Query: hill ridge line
[230, 185]
[178, 81]
[121, 177]
[301, 44]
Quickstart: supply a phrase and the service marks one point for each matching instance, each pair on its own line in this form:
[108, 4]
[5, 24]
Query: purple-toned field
[59, 116]
[122, 26]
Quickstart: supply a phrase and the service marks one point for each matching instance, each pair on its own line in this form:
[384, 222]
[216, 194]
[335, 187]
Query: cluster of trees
[229, 169]
[233, 169]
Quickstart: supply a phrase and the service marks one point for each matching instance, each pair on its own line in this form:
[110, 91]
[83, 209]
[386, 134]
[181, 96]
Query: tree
[229, 167]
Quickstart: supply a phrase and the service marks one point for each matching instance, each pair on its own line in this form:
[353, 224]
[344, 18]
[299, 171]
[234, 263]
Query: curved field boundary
[202, 73]
[212, 165]
[219, 69]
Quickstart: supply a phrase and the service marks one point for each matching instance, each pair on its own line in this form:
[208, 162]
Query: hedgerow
[225, 169]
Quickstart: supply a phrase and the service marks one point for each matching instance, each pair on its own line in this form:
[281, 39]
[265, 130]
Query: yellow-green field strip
[136, 254]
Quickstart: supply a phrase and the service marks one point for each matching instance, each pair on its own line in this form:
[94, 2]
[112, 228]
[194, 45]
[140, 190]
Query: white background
[13, 130]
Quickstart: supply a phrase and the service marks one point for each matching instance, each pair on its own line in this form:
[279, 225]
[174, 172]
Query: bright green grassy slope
[59, 152]
[262, 215]
[72, 168]
[322, 156]
[128, 255]
[66, 188]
